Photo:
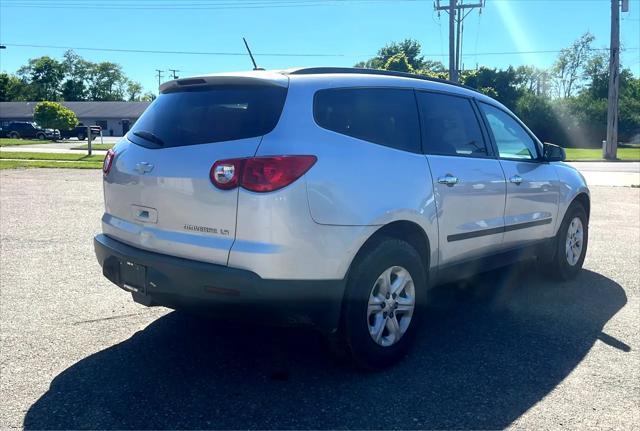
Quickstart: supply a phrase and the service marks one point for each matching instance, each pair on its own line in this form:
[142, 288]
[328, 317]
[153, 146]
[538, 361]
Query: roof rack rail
[365, 71]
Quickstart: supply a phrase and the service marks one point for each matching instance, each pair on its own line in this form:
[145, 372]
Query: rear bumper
[226, 292]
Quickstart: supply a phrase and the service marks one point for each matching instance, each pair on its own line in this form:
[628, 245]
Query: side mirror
[553, 153]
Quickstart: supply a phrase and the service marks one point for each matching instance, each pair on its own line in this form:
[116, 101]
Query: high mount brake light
[108, 161]
[260, 174]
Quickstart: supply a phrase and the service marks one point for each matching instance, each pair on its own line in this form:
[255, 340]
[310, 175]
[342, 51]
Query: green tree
[148, 97]
[568, 69]
[399, 63]
[73, 90]
[596, 74]
[45, 75]
[107, 82]
[134, 90]
[433, 67]
[409, 47]
[77, 72]
[629, 121]
[13, 88]
[54, 115]
[501, 84]
[537, 113]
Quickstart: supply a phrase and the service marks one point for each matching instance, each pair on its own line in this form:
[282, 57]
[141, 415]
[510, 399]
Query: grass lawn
[14, 159]
[13, 164]
[574, 154]
[6, 141]
[94, 147]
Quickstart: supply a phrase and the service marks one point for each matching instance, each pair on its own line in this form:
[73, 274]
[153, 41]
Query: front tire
[383, 302]
[41, 136]
[572, 240]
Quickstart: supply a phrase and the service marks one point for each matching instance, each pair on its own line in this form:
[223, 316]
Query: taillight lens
[108, 161]
[260, 174]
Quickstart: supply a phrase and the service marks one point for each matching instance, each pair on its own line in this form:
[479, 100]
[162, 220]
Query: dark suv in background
[80, 132]
[28, 130]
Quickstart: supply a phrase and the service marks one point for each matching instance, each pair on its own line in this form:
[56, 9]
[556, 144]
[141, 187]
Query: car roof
[350, 75]
[366, 71]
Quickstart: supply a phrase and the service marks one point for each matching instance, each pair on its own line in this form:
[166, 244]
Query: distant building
[115, 118]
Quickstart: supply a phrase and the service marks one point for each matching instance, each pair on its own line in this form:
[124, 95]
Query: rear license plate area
[133, 277]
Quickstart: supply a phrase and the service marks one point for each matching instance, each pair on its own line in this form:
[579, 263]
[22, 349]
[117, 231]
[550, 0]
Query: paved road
[610, 173]
[508, 349]
[629, 167]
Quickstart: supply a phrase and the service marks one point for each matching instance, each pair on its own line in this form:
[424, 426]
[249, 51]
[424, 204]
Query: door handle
[448, 180]
[516, 179]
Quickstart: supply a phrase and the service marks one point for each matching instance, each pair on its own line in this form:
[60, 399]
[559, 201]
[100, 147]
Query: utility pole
[610, 149]
[453, 70]
[458, 41]
[159, 72]
[455, 9]
[173, 71]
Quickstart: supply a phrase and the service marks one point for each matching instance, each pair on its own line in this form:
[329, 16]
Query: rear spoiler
[249, 78]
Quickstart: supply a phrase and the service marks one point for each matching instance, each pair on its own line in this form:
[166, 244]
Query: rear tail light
[260, 174]
[108, 161]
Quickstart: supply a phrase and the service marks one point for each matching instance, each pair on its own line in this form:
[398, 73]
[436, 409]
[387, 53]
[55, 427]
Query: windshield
[211, 114]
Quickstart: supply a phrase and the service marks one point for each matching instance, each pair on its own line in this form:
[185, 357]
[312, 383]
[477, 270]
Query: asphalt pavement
[621, 174]
[508, 349]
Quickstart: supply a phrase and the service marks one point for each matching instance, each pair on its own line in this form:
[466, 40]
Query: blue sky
[345, 32]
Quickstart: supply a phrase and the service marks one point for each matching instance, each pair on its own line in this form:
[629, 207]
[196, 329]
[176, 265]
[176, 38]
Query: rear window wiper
[149, 137]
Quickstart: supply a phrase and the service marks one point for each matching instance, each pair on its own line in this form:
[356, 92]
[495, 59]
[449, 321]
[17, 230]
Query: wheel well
[583, 199]
[406, 231]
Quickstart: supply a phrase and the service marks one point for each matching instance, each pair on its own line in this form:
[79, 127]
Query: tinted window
[384, 116]
[512, 140]
[212, 114]
[450, 126]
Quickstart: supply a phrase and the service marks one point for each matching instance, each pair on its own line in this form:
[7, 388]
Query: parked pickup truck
[80, 132]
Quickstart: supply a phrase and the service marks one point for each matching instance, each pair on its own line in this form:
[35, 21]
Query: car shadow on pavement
[490, 350]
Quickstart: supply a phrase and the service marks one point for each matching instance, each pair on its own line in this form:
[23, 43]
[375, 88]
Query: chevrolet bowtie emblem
[144, 167]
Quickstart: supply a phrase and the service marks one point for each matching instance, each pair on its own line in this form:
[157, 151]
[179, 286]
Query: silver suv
[330, 197]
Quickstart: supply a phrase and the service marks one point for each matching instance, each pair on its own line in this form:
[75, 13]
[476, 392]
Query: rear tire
[373, 338]
[81, 137]
[571, 244]
[14, 135]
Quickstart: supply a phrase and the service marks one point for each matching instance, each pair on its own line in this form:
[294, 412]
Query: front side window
[384, 116]
[512, 140]
[450, 126]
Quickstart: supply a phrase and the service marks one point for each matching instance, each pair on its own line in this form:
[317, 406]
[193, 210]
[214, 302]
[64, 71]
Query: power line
[273, 54]
[154, 51]
[194, 6]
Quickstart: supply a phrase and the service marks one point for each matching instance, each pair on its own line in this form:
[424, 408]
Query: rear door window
[450, 126]
[209, 114]
[384, 116]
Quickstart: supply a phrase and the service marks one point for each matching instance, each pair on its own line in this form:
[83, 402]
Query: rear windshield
[210, 114]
